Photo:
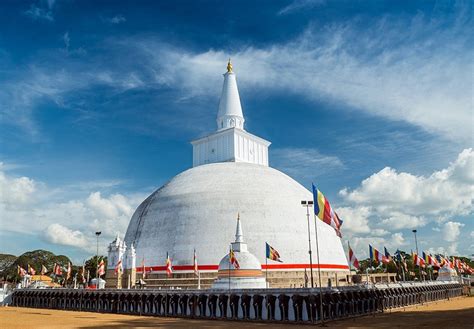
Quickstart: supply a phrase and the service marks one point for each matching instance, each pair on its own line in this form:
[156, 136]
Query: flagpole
[308, 204]
[319, 271]
[266, 267]
[230, 250]
[350, 261]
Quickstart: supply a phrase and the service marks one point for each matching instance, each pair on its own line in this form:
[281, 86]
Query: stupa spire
[230, 110]
[239, 236]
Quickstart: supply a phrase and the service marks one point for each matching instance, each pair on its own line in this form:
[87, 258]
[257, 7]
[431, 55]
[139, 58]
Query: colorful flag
[118, 267]
[169, 265]
[69, 270]
[376, 255]
[324, 211]
[418, 261]
[195, 263]
[233, 260]
[387, 257]
[101, 268]
[44, 270]
[401, 259]
[352, 259]
[83, 273]
[143, 269]
[31, 270]
[21, 271]
[272, 254]
[57, 269]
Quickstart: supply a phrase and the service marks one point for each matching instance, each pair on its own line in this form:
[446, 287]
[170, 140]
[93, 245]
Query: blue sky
[99, 101]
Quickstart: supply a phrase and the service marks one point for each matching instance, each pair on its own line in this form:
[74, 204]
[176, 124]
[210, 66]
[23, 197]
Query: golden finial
[229, 66]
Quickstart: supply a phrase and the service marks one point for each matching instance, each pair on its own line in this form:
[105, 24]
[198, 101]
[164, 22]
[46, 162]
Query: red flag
[21, 271]
[31, 270]
[118, 267]
[169, 266]
[69, 270]
[101, 270]
[417, 260]
[57, 269]
[143, 268]
[195, 263]
[352, 259]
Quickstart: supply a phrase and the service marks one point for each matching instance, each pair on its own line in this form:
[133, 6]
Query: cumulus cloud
[449, 191]
[59, 234]
[48, 212]
[15, 191]
[403, 221]
[357, 219]
[390, 201]
[452, 230]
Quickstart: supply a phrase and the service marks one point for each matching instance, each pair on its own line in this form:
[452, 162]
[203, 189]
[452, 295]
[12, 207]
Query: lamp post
[97, 261]
[417, 254]
[309, 204]
[416, 242]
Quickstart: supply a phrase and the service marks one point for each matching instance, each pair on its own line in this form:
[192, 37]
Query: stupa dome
[197, 208]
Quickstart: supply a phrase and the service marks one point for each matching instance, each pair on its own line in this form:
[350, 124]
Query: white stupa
[230, 174]
[248, 275]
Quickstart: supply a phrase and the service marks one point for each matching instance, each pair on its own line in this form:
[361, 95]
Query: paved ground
[455, 313]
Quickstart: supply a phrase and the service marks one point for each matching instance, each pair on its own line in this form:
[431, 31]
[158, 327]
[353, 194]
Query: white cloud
[472, 234]
[356, 220]
[412, 70]
[297, 5]
[43, 10]
[117, 19]
[449, 191]
[392, 243]
[389, 201]
[304, 163]
[402, 221]
[67, 40]
[59, 234]
[48, 212]
[452, 230]
[15, 192]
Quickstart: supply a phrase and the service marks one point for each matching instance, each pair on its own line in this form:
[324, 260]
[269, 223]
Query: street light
[416, 242]
[97, 261]
[309, 204]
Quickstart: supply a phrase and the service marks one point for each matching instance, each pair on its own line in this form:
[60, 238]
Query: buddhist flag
[143, 269]
[233, 260]
[324, 211]
[57, 269]
[169, 265]
[83, 273]
[44, 270]
[21, 271]
[69, 270]
[31, 270]
[402, 260]
[353, 259]
[418, 261]
[101, 268]
[118, 267]
[195, 263]
[272, 253]
[376, 255]
[388, 258]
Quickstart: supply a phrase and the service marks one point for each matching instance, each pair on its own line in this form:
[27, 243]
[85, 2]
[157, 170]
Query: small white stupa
[446, 273]
[247, 275]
